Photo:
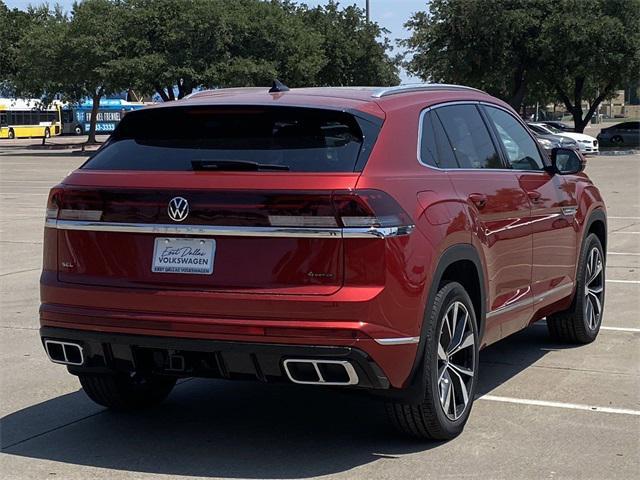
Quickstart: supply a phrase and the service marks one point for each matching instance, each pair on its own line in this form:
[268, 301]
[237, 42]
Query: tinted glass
[435, 147]
[428, 152]
[446, 157]
[298, 139]
[520, 148]
[539, 130]
[628, 126]
[469, 137]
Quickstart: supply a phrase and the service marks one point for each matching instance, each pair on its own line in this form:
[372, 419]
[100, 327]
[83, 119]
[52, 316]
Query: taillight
[353, 209]
[369, 208]
[74, 204]
[53, 203]
[356, 209]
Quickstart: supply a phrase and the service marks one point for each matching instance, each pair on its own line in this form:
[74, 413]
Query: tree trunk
[575, 108]
[162, 93]
[519, 89]
[94, 116]
[184, 88]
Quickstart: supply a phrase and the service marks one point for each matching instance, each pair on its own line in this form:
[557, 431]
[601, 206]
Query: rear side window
[469, 137]
[233, 138]
[435, 149]
[519, 147]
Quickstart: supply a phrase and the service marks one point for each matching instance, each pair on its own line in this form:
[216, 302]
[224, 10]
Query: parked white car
[586, 143]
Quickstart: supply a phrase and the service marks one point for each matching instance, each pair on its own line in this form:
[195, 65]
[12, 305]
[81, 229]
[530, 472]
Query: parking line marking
[613, 233]
[625, 218]
[620, 329]
[624, 253]
[622, 281]
[570, 406]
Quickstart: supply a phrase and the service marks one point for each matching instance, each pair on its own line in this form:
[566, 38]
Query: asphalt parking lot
[545, 410]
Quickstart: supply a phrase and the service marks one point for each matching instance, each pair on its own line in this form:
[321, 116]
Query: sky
[391, 14]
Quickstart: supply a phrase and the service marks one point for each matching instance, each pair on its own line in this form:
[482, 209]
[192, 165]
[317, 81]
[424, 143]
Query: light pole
[367, 10]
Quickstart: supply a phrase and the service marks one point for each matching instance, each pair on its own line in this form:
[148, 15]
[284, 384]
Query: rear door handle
[478, 199]
[534, 196]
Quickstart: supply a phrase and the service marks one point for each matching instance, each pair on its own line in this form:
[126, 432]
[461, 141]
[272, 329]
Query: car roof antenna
[278, 87]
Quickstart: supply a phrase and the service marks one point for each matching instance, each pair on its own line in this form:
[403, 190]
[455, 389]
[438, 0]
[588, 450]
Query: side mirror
[566, 161]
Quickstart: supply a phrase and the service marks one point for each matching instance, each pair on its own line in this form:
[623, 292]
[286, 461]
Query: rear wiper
[235, 166]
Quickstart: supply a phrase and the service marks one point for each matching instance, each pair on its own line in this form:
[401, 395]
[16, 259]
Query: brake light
[369, 208]
[53, 203]
[74, 204]
[359, 208]
[362, 209]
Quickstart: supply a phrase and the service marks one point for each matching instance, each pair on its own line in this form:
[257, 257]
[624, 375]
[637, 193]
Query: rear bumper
[115, 352]
[354, 317]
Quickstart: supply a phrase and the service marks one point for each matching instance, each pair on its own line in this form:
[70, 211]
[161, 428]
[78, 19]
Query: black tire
[122, 392]
[12, 134]
[428, 420]
[617, 140]
[576, 325]
[47, 133]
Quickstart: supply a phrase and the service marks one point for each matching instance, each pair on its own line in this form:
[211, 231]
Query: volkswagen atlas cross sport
[363, 238]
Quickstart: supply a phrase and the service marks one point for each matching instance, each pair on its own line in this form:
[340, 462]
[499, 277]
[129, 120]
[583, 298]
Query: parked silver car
[550, 142]
[626, 133]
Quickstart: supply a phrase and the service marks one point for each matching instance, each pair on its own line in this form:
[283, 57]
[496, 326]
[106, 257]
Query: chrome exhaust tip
[320, 372]
[66, 353]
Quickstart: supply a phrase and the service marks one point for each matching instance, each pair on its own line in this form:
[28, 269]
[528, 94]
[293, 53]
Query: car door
[630, 132]
[498, 209]
[553, 207]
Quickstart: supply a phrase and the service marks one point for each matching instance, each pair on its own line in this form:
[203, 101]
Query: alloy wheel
[456, 360]
[594, 288]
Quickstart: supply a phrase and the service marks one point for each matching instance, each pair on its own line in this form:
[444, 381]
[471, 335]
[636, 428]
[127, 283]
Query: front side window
[469, 137]
[520, 148]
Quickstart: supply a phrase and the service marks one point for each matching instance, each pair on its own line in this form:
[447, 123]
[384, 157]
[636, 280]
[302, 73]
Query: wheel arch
[597, 224]
[454, 261]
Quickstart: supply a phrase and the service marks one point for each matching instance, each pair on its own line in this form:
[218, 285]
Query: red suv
[366, 238]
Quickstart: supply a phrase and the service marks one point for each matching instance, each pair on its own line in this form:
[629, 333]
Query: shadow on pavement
[223, 429]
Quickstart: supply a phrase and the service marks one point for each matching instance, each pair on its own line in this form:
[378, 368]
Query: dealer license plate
[183, 255]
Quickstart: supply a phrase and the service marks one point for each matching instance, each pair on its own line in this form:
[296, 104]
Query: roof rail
[419, 87]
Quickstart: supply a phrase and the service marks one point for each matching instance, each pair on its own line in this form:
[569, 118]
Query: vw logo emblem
[178, 209]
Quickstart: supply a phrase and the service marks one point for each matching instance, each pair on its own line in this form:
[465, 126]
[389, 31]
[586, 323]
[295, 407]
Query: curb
[66, 146]
[613, 153]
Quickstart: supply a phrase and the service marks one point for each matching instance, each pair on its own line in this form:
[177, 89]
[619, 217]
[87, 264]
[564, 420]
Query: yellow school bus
[26, 118]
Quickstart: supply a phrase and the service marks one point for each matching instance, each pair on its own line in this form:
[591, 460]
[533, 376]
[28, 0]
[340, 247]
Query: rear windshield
[260, 138]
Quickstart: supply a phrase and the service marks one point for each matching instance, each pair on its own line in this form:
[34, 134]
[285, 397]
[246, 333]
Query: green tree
[572, 50]
[13, 24]
[268, 40]
[36, 69]
[356, 51]
[215, 43]
[72, 56]
[594, 53]
[170, 44]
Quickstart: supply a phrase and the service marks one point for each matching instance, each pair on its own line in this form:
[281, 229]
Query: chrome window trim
[469, 102]
[223, 231]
